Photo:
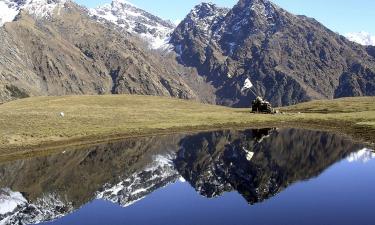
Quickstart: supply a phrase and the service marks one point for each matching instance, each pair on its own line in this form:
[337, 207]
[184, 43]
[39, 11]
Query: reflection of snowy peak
[9, 201]
[15, 209]
[38, 8]
[137, 21]
[140, 184]
[363, 155]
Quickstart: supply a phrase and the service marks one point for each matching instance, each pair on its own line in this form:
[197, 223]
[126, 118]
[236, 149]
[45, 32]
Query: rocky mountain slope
[66, 51]
[288, 58]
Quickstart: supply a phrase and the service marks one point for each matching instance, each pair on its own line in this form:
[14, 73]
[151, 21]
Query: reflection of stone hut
[261, 106]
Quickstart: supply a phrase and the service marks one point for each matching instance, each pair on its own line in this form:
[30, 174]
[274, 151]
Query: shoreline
[34, 125]
[48, 148]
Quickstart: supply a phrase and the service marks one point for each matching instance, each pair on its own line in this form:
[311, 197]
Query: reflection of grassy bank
[35, 122]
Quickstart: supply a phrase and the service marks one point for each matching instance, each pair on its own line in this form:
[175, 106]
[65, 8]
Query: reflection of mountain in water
[218, 162]
[17, 210]
[77, 177]
[159, 174]
[256, 163]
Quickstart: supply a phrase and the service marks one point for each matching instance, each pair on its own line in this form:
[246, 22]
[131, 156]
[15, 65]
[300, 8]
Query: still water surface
[268, 176]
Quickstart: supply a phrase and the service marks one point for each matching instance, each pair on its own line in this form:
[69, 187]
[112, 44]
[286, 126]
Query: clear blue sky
[342, 16]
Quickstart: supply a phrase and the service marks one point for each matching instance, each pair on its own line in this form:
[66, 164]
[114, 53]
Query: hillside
[67, 52]
[289, 58]
[36, 123]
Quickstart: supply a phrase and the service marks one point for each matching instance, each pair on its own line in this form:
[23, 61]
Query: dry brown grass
[35, 122]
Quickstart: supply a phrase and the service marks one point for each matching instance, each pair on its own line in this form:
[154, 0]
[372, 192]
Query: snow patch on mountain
[363, 38]
[153, 29]
[9, 9]
[7, 12]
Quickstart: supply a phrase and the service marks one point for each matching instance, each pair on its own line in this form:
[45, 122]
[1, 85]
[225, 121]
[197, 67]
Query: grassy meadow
[35, 123]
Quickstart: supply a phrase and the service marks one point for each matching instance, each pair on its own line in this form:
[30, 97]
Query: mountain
[362, 38]
[153, 29]
[64, 51]
[56, 47]
[288, 58]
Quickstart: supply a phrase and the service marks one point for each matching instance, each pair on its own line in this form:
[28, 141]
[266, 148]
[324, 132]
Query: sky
[343, 16]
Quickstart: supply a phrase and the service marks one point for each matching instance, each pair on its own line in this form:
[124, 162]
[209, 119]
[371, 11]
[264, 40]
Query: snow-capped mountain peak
[153, 29]
[263, 7]
[203, 10]
[122, 2]
[9, 9]
[204, 17]
[363, 38]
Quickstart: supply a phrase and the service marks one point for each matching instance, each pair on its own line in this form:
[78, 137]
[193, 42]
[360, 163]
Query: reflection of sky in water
[341, 195]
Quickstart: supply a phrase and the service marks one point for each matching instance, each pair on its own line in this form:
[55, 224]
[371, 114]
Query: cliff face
[289, 58]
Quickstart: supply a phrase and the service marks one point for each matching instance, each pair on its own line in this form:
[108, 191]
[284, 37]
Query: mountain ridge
[210, 56]
[259, 41]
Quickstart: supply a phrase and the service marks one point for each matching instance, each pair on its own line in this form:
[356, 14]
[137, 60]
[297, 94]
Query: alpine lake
[229, 177]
